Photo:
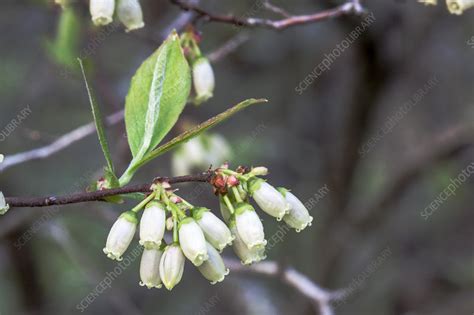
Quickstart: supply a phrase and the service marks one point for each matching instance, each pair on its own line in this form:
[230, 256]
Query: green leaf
[65, 47]
[191, 133]
[99, 124]
[157, 96]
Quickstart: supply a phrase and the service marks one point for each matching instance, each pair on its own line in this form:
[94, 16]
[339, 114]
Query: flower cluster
[198, 234]
[129, 13]
[454, 6]
[200, 152]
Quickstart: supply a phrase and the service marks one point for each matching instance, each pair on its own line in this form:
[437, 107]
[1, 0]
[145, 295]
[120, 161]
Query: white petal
[102, 11]
[172, 266]
[152, 225]
[119, 238]
[150, 268]
[130, 14]
[298, 217]
[192, 241]
[270, 200]
[250, 228]
[215, 231]
[213, 269]
[246, 255]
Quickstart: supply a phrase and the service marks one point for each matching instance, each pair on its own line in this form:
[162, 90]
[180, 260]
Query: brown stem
[101, 194]
[347, 8]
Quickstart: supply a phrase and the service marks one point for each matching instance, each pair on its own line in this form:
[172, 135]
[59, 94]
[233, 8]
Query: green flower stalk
[102, 11]
[171, 266]
[152, 225]
[214, 268]
[215, 231]
[121, 235]
[150, 268]
[130, 14]
[249, 226]
[192, 241]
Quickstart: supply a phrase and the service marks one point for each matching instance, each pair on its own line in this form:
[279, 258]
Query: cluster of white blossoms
[198, 234]
[454, 6]
[129, 12]
[200, 152]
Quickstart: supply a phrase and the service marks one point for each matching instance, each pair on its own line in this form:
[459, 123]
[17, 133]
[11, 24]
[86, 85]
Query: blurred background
[371, 145]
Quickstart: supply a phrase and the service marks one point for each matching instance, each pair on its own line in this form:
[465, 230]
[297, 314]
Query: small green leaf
[99, 124]
[127, 176]
[157, 96]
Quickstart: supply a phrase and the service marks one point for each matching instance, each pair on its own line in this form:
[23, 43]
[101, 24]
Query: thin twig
[228, 47]
[275, 9]
[294, 20]
[60, 144]
[101, 194]
[320, 297]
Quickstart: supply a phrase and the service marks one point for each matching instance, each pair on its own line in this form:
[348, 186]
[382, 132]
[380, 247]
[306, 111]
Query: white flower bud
[429, 2]
[268, 198]
[203, 78]
[259, 171]
[246, 255]
[121, 235]
[459, 6]
[298, 217]
[249, 226]
[130, 14]
[3, 204]
[152, 225]
[169, 223]
[172, 266]
[192, 241]
[214, 268]
[102, 11]
[215, 231]
[150, 268]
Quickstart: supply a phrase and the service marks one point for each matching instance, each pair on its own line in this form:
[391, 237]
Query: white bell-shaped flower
[130, 14]
[152, 225]
[171, 266]
[203, 79]
[192, 241]
[3, 204]
[459, 6]
[214, 268]
[102, 11]
[249, 226]
[215, 231]
[121, 235]
[150, 268]
[268, 198]
[247, 256]
[298, 217]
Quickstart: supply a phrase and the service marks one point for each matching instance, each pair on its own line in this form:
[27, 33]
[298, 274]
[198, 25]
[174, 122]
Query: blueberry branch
[100, 195]
[350, 7]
